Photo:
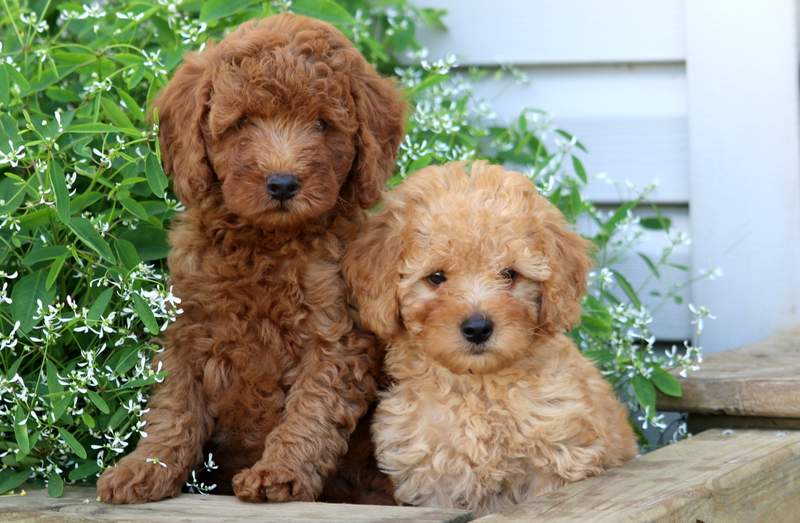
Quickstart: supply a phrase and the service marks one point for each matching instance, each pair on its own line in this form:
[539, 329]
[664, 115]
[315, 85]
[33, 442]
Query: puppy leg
[334, 388]
[358, 479]
[177, 427]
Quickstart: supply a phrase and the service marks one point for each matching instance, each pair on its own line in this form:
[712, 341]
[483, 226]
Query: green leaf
[24, 295]
[127, 253]
[4, 92]
[12, 193]
[60, 191]
[58, 400]
[55, 485]
[150, 242]
[650, 264]
[327, 10]
[116, 115]
[99, 306]
[55, 269]
[216, 9]
[84, 230]
[43, 252]
[656, 223]
[666, 382]
[145, 314]
[156, 178]
[72, 442]
[85, 469]
[117, 418]
[134, 207]
[97, 128]
[645, 392]
[130, 104]
[620, 214]
[627, 288]
[679, 266]
[596, 324]
[569, 137]
[580, 170]
[419, 163]
[98, 401]
[9, 480]
[600, 357]
[88, 420]
[129, 356]
[21, 432]
[433, 17]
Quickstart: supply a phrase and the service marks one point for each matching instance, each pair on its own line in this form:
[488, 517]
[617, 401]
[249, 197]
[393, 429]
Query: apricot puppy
[472, 278]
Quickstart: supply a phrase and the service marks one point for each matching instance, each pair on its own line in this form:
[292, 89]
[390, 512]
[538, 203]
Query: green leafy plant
[84, 206]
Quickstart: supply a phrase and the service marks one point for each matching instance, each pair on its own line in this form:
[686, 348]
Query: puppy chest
[451, 442]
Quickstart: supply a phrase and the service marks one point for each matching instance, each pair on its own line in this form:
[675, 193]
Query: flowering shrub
[84, 205]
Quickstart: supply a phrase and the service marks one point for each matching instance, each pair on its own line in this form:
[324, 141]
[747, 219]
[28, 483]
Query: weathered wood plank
[699, 422]
[761, 380]
[79, 505]
[731, 476]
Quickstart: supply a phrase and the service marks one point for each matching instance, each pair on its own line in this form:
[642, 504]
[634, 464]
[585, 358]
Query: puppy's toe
[260, 483]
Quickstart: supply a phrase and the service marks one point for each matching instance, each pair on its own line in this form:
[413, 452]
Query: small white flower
[156, 461]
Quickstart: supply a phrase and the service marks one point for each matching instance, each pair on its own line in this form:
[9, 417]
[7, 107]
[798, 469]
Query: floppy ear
[182, 108]
[371, 272]
[380, 110]
[567, 254]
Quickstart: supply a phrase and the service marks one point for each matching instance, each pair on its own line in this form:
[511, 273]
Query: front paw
[274, 483]
[137, 480]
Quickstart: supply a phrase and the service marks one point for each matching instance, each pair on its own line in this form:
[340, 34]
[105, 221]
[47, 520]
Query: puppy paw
[137, 480]
[272, 483]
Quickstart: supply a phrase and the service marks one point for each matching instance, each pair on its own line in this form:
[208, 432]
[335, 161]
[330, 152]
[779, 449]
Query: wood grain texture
[761, 380]
[79, 505]
[731, 476]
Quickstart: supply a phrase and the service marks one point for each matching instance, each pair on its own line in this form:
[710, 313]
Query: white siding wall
[615, 74]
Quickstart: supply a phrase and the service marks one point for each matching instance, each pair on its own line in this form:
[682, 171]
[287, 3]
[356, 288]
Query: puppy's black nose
[477, 328]
[282, 186]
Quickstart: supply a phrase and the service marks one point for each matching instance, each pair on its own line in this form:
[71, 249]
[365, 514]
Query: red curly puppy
[276, 139]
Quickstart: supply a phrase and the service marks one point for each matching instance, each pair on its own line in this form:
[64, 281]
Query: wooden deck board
[719, 475]
[760, 380]
[79, 505]
[731, 476]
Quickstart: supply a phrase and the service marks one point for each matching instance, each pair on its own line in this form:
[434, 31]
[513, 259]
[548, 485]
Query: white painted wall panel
[632, 119]
[745, 164]
[639, 150]
[561, 31]
[592, 90]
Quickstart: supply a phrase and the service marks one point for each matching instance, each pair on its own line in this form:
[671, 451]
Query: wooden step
[718, 476]
[725, 476]
[79, 504]
[754, 386]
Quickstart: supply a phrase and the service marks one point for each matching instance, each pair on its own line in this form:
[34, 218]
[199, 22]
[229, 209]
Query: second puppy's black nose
[282, 186]
[477, 328]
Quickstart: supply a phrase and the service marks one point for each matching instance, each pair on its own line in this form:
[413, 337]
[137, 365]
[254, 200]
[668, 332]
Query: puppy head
[283, 119]
[470, 264]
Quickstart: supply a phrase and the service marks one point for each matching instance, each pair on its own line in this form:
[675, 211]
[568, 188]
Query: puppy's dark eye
[241, 122]
[509, 274]
[322, 125]
[437, 278]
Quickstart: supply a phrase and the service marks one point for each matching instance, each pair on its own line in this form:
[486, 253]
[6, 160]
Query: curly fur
[264, 367]
[481, 428]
